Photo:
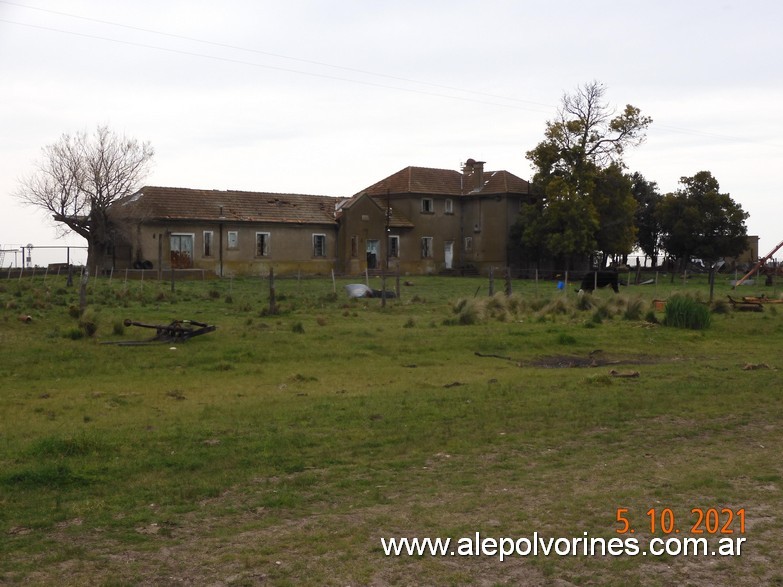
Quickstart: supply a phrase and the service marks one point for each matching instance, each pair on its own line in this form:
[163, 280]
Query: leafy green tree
[697, 221]
[561, 224]
[648, 225]
[580, 162]
[615, 205]
[571, 223]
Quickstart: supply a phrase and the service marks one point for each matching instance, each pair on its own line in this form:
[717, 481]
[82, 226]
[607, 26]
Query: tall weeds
[686, 312]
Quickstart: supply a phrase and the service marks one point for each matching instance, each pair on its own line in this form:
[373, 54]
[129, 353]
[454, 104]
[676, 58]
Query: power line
[686, 131]
[262, 66]
[516, 103]
[275, 55]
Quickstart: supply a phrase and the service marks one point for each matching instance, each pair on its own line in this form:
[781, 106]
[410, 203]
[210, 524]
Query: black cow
[605, 278]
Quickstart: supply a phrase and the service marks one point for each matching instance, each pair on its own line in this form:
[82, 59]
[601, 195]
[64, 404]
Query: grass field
[281, 448]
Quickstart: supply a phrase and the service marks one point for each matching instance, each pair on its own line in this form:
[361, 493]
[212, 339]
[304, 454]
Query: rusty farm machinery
[176, 331]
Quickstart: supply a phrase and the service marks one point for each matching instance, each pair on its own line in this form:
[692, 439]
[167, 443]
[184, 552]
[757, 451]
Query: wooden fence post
[272, 302]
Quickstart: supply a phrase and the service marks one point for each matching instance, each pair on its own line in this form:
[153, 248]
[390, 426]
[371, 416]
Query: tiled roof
[397, 220]
[161, 203]
[447, 182]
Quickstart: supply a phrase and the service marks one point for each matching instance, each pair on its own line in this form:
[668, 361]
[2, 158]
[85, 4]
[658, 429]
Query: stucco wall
[290, 248]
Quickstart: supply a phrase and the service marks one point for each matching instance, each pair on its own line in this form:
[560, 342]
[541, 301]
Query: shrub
[538, 304]
[634, 309]
[88, 322]
[602, 312]
[496, 303]
[73, 333]
[584, 302]
[472, 313]
[515, 304]
[469, 311]
[118, 327]
[556, 306]
[565, 339]
[497, 307]
[720, 307]
[459, 305]
[686, 312]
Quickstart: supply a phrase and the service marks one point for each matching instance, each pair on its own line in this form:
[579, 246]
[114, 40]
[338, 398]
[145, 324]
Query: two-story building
[423, 220]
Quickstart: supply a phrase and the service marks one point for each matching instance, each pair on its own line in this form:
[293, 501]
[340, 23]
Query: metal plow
[176, 331]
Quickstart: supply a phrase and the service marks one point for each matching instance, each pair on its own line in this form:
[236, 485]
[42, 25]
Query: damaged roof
[162, 203]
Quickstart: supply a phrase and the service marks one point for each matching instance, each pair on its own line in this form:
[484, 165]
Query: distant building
[747, 257]
[416, 221]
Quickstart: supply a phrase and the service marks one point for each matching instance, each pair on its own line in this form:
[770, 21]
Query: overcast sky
[329, 97]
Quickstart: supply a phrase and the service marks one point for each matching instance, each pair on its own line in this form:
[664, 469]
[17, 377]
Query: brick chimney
[473, 176]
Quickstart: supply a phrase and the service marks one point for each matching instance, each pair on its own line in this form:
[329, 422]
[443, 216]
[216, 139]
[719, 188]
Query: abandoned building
[416, 221]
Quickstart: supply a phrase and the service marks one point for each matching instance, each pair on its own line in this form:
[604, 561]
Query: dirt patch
[593, 359]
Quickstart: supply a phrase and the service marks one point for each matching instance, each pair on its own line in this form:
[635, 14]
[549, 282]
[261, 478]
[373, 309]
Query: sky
[330, 97]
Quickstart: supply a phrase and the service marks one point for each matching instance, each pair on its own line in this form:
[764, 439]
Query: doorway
[448, 254]
[373, 253]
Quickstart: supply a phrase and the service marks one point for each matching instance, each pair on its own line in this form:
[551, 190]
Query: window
[468, 243]
[319, 245]
[426, 206]
[394, 246]
[181, 247]
[208, 235]
[233, 239]
[448, 206]
[262, 244]
[354, 246]
[426, 247]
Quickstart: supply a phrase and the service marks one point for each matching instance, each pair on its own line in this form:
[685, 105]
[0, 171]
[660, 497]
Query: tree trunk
[96, 254]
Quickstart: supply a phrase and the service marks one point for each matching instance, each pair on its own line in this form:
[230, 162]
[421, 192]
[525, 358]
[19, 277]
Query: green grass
[282, 447]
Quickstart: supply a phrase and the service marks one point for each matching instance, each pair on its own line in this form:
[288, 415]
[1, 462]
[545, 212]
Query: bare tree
[587, 133]
[80, 177]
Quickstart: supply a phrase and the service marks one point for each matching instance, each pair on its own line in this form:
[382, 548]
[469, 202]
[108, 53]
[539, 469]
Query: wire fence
[34, 256]
[492, 281]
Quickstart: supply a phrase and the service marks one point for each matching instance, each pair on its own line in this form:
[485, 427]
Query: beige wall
[362, 222]
[749, 256]
[485, 220]
[290, 248]
[441, 226]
